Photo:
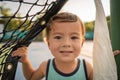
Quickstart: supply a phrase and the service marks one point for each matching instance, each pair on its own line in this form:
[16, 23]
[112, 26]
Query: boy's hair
[64, 17]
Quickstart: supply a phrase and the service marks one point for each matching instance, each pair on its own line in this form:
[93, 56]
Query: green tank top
[79, 73]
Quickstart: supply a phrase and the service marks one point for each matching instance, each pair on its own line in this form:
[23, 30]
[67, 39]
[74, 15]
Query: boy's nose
[66, 43]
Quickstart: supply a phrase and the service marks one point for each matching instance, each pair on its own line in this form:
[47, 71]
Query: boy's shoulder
[43, 67]
[89, 68]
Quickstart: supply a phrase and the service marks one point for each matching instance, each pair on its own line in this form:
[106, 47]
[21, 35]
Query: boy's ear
[46, 41]
[83, 41]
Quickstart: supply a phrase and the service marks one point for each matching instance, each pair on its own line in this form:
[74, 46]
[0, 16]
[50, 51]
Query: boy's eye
[74, 37]
[57, 37]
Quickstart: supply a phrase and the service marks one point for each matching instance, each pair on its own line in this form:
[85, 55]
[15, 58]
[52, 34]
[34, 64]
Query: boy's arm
[22, 52]
[116, 52]
[40, 72]
[28, 70]
[89, 70]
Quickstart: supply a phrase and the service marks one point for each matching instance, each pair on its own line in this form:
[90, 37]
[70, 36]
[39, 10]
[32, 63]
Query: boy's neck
[66, 67]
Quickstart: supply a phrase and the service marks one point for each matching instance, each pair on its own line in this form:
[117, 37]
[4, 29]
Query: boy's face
[65, 40]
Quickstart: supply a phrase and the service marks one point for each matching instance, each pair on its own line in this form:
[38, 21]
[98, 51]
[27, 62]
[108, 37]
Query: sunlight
[85, 9]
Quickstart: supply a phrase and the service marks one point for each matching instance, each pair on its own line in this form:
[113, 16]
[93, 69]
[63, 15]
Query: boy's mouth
[66, 51]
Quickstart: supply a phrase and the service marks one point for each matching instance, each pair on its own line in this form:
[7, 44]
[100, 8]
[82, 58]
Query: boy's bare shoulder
[43, 66]
[89, 70]
[44, 63]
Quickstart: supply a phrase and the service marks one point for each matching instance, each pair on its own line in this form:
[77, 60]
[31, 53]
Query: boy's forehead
[77, 23]
[66, 26]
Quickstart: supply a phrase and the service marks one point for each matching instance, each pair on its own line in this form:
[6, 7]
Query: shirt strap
[47, 69]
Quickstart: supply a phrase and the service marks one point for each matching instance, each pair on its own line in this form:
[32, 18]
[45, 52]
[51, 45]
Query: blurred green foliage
[90, 25]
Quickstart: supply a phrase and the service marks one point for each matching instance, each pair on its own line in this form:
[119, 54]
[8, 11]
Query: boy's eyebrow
[56, 33]
[77, 34]
[72, 33]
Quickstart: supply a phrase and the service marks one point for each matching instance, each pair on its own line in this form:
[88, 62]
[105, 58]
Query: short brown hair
[64, 17]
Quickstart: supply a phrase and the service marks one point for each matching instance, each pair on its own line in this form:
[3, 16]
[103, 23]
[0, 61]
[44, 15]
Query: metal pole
[115, 29]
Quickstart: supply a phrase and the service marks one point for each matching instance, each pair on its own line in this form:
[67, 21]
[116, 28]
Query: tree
[4, 11]
[89, 26]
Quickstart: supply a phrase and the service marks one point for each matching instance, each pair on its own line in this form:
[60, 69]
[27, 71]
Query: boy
[65, 38]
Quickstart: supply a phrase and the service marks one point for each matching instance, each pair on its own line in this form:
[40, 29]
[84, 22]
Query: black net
[20, 30]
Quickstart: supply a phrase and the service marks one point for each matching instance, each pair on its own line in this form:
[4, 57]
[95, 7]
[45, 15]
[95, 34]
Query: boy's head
[65, 36]
[64, 17]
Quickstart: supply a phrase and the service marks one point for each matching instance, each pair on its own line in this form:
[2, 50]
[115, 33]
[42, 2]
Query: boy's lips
[66, 51]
